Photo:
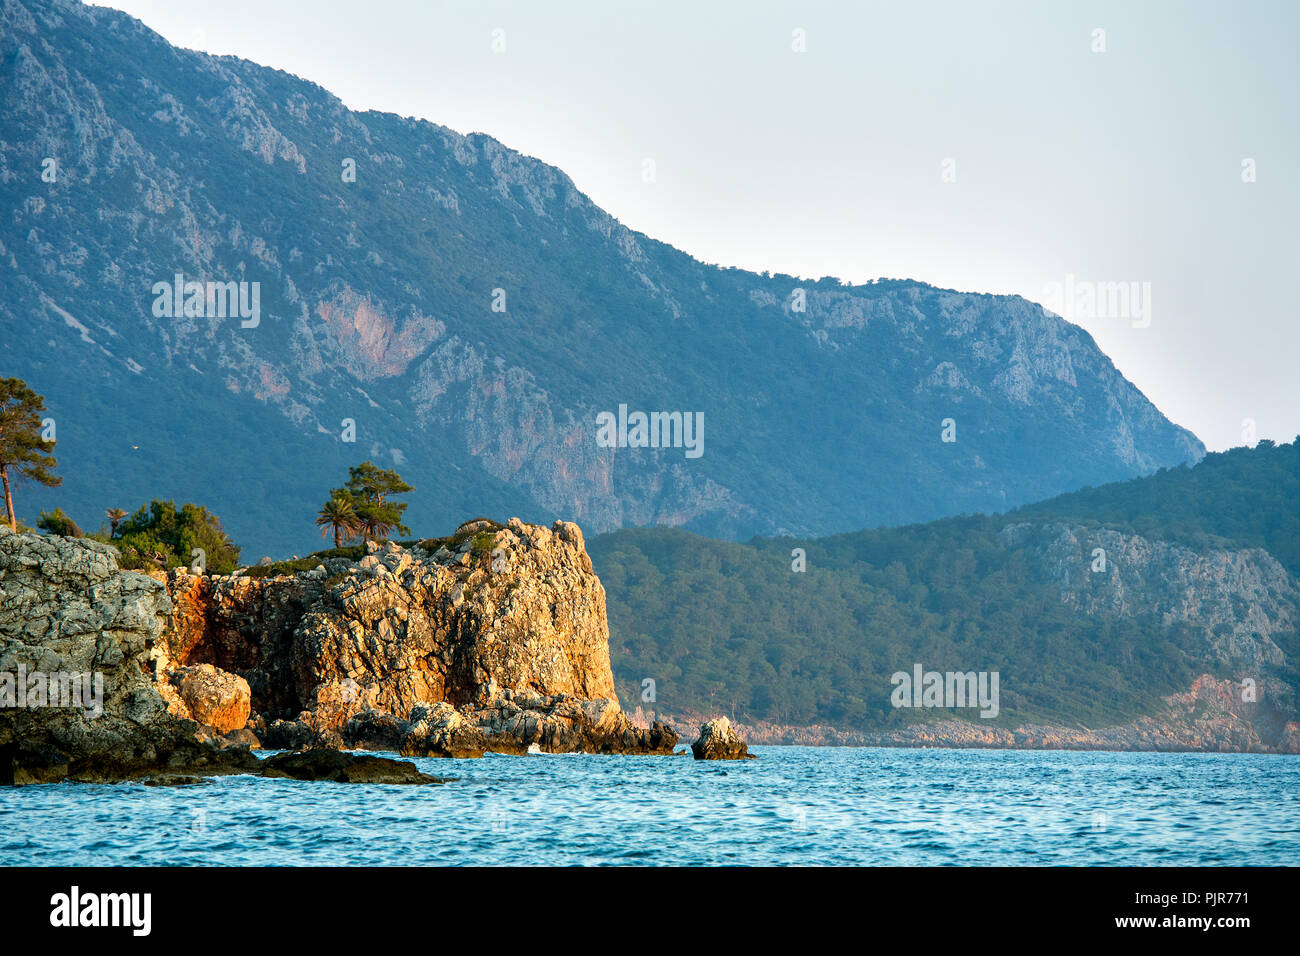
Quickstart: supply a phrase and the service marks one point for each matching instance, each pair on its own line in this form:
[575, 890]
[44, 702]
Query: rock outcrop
[77, 700]
[718, 740]
[1243, 598]
[494, 638]
[344, 768]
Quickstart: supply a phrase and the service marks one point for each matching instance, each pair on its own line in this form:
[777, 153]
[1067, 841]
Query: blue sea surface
[793, 805]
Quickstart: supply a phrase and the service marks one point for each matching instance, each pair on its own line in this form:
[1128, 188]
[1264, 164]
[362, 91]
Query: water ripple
[794, 805]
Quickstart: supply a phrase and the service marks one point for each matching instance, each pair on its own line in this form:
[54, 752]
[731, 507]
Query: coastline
[1209, 717]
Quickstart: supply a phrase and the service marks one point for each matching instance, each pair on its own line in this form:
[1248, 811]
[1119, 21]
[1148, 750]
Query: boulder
[243, 737]
[289, 735]
[212, 696]
[375, 730]
[718, 740]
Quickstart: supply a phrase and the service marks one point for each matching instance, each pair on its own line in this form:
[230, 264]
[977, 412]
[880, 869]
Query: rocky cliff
[76, 695]
[493, 638]
[1242, 599]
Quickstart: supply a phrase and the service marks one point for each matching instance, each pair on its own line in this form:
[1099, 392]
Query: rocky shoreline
[492, 639]
[1209, 717]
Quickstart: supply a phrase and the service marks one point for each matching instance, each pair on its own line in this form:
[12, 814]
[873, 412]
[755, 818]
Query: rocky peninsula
[494, 638]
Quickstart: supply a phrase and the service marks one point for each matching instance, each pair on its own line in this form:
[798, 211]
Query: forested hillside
[1182, 593]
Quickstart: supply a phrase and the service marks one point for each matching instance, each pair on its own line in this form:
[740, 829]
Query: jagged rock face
[505, 629]
[374, 295]
[529, 616]
[66, 608]
[241, 625]
[718, 740]
[1241, 598]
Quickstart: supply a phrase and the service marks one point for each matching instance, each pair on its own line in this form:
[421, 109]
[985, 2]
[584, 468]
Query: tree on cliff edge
[115, 516]
[24, 452]
[368, 494]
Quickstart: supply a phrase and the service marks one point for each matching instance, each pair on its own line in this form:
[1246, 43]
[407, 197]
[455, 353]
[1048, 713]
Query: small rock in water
[718, 740]
[343, 767]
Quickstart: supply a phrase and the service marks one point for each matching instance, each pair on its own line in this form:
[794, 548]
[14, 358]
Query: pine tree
[24, 453]
[367, 491]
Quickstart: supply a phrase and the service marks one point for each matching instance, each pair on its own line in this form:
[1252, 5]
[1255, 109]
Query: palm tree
[115, 516]
[340, 516]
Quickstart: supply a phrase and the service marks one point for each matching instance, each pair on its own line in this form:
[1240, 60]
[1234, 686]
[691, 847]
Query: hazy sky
[1117, 166]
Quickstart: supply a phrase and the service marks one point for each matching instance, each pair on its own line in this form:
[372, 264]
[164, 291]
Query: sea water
[792, 805]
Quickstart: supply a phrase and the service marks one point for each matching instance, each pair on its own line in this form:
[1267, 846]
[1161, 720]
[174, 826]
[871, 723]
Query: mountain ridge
[377, 303]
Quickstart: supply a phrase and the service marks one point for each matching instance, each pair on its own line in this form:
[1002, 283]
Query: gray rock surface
[66, 609]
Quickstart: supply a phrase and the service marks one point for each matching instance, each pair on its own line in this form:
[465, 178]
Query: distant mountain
[125, 162]
[1094, 607]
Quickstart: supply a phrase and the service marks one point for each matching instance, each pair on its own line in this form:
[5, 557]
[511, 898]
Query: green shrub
[56, 522]
[294, 565]
[161, 535]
